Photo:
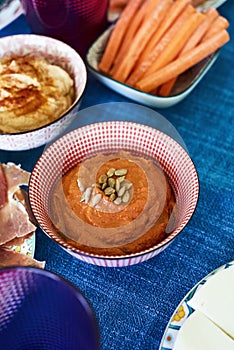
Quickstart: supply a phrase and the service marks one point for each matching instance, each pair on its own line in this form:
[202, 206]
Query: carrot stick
[143, 13]
[173, 12]
[117, 3]
[184, 62]
[118, 34]
[210, 15]
[197, 2]
[219, 24]
[174, 46]
[162, 50]
[165, 89]
[129, 35]
[116, 9]
[143, 35]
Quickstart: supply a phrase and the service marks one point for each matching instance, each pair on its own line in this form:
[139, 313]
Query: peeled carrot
[143, 35]
[163, 52]
[197, 2]
[118, 34]
[210, 15]
[184, 62]
[117, 6]
[175, 45]
[165, 89]
[219, 24]
[129, 35]
[173, 12]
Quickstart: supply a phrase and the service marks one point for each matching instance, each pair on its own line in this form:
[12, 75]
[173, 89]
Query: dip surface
[107, 228]
[33, 93]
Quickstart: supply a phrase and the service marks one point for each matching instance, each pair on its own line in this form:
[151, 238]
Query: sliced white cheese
[199, 333]
[215, 299]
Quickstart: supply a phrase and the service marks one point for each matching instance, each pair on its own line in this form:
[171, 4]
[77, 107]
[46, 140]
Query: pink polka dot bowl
[111, 137]
[56, 52]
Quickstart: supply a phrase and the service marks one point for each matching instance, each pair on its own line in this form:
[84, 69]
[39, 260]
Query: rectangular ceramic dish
[184, 85]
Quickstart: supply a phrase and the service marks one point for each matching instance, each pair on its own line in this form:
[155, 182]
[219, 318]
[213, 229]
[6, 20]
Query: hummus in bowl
[42, 82]
[73, 204]
[33, 93]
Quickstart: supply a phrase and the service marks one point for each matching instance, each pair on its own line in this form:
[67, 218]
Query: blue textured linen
[134, 304]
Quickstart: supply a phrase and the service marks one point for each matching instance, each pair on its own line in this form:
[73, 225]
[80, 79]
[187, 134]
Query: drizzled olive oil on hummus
[86, 215]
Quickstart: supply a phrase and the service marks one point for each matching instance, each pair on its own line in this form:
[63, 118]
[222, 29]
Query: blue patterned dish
[26, 248]
[183, 311]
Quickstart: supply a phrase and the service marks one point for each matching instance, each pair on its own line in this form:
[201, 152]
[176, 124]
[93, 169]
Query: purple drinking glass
[41, 310]
[76, 22]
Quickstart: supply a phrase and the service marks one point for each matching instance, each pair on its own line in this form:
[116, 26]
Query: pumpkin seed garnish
[104, 185]
[121, 191]
[96, 199]
[80, 185]
[128, 185]
[121, 172]
[111, 182]
[102, 179]
[110, 172]
[109, 190]
[118, 182]
[118, 201]
[87, 194]
[112, 197]
[126, 197]
[82, 198]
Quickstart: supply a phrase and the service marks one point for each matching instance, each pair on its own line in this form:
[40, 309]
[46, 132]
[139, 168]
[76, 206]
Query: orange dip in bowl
[102, 226]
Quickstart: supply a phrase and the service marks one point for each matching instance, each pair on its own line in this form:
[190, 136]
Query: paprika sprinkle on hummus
[113, 204]
[33, 93]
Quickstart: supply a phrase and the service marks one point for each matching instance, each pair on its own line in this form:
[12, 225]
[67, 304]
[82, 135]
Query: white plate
[9, 12]
[183, 311]
[184, 85]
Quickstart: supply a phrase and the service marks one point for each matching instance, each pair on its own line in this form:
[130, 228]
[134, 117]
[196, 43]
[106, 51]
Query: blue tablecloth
[134, 304]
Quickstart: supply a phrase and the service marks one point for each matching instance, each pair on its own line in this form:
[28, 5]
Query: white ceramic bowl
[183, 87]
[55, 52]
[66, 152]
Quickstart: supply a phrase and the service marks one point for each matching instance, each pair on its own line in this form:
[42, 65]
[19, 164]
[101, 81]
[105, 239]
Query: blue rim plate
[183, 311]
